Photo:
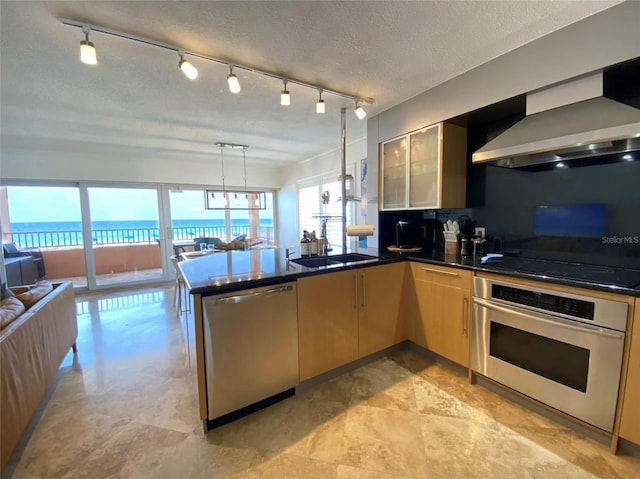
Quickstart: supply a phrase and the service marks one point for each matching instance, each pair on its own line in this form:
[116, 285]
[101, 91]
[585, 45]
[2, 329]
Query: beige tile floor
[126, 407]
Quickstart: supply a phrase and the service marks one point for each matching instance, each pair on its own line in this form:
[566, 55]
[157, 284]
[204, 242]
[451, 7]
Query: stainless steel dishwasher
[251, 350]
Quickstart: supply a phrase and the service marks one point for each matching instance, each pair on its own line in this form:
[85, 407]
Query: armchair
[12, 251]
[203, 240]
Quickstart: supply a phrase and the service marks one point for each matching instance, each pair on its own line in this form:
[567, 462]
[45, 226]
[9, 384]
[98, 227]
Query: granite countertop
[227, 271]
[474, 263]
[224, 272]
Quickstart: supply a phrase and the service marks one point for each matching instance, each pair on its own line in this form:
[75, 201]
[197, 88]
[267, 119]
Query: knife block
[451, 243]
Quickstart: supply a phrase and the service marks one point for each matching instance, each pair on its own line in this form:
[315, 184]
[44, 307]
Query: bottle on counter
[305, 244]
[314, 243]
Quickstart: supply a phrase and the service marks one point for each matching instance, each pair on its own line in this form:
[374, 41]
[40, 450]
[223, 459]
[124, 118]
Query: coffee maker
[404, 234]
[428, 233]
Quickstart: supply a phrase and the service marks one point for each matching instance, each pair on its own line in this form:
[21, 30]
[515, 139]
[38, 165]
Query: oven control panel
[548, 302]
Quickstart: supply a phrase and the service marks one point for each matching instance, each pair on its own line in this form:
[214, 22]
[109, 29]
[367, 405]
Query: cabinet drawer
[442, 275]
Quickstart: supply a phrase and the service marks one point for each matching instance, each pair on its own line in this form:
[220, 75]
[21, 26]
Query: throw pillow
[35, 294]
[10, 309]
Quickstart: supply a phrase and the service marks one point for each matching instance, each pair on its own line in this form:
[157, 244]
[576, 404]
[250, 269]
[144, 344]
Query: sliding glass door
[125, 235]
[98, 235]
[190, 220]
[44, 222]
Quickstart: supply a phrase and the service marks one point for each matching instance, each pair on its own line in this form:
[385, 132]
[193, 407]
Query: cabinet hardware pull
[355, 291]
[465, 301]
[364, 291]
[238, 298]
[448, 273]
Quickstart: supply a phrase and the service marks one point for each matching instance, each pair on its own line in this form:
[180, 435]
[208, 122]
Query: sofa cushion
[35, 294]
[10, 309]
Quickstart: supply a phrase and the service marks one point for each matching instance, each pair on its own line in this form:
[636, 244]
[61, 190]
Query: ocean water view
[69, 233]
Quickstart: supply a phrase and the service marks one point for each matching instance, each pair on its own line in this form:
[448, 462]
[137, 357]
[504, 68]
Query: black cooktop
[606, 275]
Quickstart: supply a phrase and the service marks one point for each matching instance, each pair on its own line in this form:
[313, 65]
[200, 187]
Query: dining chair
[179, 295]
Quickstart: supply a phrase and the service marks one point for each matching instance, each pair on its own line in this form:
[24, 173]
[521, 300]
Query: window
[311, 210]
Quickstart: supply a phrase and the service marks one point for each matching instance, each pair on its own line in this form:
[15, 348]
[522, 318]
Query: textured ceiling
[136, 103]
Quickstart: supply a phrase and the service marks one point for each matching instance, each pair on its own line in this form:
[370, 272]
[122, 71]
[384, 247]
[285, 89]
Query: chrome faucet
[287, 253]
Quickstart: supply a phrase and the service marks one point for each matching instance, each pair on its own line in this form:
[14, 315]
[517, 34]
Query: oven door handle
[547, 319]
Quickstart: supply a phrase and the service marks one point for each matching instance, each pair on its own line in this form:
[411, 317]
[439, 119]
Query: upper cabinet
[425, 169]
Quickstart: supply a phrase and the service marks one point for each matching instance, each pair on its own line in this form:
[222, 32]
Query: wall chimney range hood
[568, 122]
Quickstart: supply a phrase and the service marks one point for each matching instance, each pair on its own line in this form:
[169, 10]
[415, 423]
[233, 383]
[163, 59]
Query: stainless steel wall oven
[562, 349]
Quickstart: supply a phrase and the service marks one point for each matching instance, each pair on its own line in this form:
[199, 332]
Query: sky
[42, 204]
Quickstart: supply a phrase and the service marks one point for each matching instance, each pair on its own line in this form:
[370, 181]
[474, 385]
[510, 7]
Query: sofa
[35, 337]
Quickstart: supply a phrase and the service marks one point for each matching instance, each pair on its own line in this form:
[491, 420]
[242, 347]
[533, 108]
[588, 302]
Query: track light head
[232, 80]
[88, 50]
[359, 111]
[285, 96]
[188, 69]
[320, 103]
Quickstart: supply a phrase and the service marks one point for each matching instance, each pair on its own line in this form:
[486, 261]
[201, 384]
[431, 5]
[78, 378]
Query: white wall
[604, 39]
[17, 164]
[288, 230]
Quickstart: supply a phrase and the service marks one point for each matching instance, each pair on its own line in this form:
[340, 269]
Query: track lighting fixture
[285, 96]
[320, 103]
[232, 80]
[88, 56]
[187, 68]
[359, 111]
[87, 50]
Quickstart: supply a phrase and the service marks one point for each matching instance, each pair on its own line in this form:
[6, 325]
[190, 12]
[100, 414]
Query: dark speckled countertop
[474, 263]
[236, 270]
[224, 272]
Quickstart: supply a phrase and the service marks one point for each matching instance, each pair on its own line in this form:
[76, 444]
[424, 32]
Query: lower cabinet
[442, 319]
[347, 315]
[382, 306]
[327, 322]
[630, 420]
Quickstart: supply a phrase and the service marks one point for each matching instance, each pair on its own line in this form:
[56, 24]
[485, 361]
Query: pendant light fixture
[320, 103]
[187, 68]
[232, 80]
[88, 50]
[359, 111]
[285, 96]
[231, 199]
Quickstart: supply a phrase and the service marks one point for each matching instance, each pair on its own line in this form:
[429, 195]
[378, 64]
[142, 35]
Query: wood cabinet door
[442, 324]
[382, 307]
[630, 420]
[327, 322]
[424, 169]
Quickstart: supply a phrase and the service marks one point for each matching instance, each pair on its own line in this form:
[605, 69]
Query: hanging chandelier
[234, 199]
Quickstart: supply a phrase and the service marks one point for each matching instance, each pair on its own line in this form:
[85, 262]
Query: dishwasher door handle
[240, 298]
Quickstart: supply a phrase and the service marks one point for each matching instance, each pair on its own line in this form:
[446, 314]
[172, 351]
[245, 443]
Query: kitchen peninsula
[350, 311]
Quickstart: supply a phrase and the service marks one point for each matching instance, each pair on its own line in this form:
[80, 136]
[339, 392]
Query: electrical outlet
[479, 231]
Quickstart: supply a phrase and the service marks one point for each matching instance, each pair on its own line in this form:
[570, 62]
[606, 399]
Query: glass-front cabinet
[425, 169]
[394, 178]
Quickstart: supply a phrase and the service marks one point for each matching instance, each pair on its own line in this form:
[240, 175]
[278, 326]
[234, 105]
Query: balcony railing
[54, 239]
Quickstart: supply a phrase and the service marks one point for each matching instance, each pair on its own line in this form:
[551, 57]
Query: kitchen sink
[352, 257]
[318, 261]
[315, 262]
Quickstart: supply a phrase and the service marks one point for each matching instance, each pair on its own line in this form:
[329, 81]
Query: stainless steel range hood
[562, 125]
